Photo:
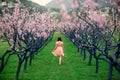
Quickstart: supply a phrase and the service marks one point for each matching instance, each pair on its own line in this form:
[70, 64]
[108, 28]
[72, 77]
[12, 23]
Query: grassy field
[45, 66]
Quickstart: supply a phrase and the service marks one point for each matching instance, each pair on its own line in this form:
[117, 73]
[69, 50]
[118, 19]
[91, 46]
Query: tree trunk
[2, 65]
[18, 70]
[84, 54]
[90, 58]
[97, 65]
[25, 65]
[30, 60]
[110, 71]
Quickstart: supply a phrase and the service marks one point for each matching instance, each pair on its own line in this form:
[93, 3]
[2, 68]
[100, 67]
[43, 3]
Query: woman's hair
[59, 39]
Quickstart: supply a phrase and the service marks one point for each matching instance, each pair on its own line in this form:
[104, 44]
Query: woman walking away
[59, 49]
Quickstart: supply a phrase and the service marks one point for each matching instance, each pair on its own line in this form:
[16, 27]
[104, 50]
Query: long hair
[59, 39]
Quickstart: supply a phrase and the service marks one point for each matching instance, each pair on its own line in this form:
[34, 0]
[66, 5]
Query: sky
[41, 2]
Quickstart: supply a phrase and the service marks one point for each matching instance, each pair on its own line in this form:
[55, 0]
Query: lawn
[45, 65]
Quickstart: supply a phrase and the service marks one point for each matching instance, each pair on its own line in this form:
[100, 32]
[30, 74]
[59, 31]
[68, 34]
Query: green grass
[45, 66]
[3, 47]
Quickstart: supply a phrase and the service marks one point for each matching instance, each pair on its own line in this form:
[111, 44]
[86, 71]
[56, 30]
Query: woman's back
[59, 43]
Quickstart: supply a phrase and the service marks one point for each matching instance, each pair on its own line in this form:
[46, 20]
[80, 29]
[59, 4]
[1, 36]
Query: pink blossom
[18, 1]
[102, 20]
[63, 12]
[88, 0]
[74, 4]
[44, 34]
[16, 12]
[91, 3]
[119, 9]
[63, 9]
[96, 17]
[117, 4]
[20, 31]
[34, 29]
[38, 34]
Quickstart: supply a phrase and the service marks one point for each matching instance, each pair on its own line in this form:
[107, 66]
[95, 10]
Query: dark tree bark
[110, 71]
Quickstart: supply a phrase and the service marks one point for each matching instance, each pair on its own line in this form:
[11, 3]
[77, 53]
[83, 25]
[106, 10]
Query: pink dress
[59, 49]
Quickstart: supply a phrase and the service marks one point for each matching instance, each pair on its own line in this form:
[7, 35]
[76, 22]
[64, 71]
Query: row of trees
[25, 32]
[100, 43]
[95, 33]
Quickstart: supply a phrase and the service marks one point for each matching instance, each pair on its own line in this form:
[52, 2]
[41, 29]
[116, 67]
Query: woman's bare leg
[60, 59]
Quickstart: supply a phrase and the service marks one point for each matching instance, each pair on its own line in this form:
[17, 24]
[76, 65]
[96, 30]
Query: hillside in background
[24, 4]
[28, 3]
[53, 4]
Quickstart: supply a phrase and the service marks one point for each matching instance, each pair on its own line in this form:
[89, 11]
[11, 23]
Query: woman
[59, 51]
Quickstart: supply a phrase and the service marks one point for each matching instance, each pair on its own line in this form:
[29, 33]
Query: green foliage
[3, 48]
[103, 9]
[55, 10]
